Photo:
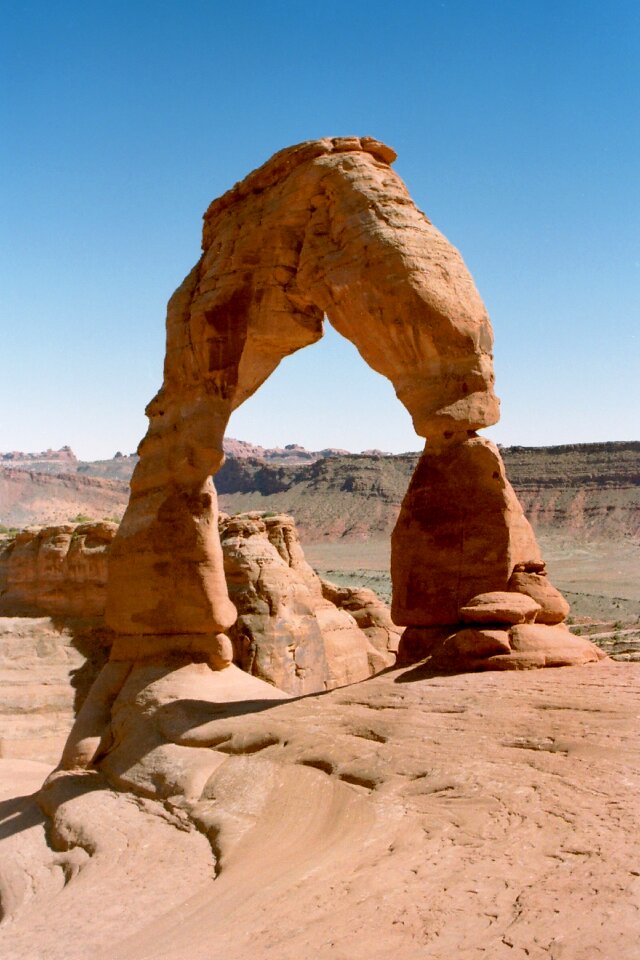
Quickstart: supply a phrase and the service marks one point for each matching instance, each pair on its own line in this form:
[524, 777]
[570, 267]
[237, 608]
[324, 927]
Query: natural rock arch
[325, 227]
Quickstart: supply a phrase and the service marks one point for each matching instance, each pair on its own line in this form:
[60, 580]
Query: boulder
[557, 645]
[500, 607]
[474, 642]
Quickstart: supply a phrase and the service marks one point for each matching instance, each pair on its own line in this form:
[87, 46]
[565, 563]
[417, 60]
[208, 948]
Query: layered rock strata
[56, 571]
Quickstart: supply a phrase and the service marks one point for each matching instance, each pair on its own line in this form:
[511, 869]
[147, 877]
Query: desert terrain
[250, 755]
[421, 814]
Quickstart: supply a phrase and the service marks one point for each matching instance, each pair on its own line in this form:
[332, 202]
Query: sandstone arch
[325, 227]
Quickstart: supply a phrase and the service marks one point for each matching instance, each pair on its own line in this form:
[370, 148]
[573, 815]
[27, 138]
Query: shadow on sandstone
[18, 814]
[92, 640]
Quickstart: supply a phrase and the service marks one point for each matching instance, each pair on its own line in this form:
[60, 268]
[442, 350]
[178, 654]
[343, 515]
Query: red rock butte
[326, 228]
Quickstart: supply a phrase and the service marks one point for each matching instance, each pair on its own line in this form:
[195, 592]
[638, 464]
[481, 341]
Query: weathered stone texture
[288, 631]
[59, 571]
[460, 533]
[324, 227]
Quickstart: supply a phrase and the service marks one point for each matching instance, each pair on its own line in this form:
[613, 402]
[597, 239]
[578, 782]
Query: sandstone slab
[500, 607]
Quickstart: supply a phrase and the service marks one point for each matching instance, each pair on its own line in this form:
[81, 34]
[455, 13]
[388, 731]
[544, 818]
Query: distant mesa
[291, 453]
[16, 457]
[589, 490]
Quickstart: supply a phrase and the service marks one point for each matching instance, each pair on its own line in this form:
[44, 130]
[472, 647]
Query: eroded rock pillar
[469, 582]
[460, 532]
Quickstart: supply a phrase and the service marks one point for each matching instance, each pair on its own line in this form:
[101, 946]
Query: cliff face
[586, 490]
[590, 491]
[56, 571]
[28, 496]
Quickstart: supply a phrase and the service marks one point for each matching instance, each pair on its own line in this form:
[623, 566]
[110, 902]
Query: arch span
[325, 227]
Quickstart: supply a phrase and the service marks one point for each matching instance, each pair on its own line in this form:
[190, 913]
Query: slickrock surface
[486, 815]
[59, 571]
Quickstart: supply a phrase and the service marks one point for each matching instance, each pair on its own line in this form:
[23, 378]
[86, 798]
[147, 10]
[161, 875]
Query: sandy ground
[414, 817]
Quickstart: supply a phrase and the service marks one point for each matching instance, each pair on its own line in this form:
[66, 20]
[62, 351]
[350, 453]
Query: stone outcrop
[290, 630]
[56, 571]
[372, 616]
[294, 630]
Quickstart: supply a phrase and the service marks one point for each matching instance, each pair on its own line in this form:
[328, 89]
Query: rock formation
[292, 630]
[323, 228]
[56, 571]
[295, 631]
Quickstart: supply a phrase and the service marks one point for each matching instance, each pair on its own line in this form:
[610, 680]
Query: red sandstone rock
[371, 615]
[524, 646]
[58, 570]
[500, 607]
[474, 643]
[323, 227]
[553, 606]
[287, 632]
[557, 645]
[460, 532]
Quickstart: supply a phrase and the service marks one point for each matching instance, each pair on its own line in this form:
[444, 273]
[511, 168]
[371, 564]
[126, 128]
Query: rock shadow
[18, 814]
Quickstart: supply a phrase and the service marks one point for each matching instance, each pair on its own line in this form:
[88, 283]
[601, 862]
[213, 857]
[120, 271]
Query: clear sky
[517, 124]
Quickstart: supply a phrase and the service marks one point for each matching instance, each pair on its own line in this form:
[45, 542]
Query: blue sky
[517, 126]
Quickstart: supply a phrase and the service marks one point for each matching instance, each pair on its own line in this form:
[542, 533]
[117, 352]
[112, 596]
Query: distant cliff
[590, 490]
